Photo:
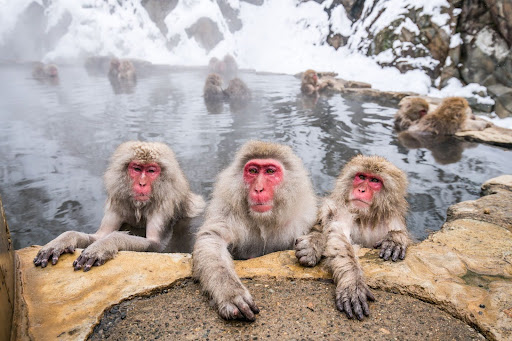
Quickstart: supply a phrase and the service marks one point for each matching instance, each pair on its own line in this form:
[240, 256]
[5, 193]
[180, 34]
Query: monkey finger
[246, 311]
[369, 295]
[253, 306]
[90, 262]
[55, 257]
[348, 309]
[396, 253]
[402, 254]
[79, 262]
[356, 306]
[339, 305]
[364, 305]
[387, 253]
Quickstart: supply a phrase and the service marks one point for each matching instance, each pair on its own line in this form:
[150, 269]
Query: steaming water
[56, 140]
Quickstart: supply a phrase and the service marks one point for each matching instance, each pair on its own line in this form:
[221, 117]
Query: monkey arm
[309, 248]
[107, 247]
[214, 268]
[396, 241]
[352, 293]
[65, 243]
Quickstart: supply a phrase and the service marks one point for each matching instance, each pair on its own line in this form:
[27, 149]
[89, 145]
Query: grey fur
[232, 230]
[171, 200]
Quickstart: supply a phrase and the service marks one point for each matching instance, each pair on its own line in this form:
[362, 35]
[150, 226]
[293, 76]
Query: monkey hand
[65, 243]
[309, 248]
[96, 254]
[352, 298]
[237, 303]
[393, 246]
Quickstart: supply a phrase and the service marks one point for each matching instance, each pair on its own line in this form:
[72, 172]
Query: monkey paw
[239, 305]
[52, 250]
[309, 249]
[95, 255]
[392, 247]
[353, 299]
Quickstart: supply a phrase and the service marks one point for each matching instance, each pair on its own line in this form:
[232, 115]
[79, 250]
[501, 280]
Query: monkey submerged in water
[452, 115]
[261, 203]
[146, 189]
[366, 208]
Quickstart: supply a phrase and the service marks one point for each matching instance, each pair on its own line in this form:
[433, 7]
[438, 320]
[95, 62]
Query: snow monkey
[367, 208]
[237, 90]
[145, 189]
[212, 90]
[261, 203]
[411, 110]
[452, 115]
[122, 70]
[310, 84]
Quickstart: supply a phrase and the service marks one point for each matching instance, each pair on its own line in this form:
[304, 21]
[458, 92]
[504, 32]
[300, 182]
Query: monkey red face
[143, 175]
[423, 112]
[364, 186]
[262, 176]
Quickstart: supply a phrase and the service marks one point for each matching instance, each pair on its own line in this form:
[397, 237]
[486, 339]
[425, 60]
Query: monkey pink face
[143, 175]
[262, 175]
[422, 112]
[365, 185]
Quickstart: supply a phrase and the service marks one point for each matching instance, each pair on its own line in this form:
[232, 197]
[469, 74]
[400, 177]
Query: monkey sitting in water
[311, 85]
[452, 115]
[237, 90]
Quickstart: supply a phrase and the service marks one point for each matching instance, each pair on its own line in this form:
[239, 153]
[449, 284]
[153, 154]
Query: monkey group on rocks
[262, 202]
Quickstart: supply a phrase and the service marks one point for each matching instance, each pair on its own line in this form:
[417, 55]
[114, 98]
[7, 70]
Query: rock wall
[6, 278]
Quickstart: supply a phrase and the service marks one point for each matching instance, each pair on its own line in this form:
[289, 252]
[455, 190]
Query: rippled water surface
[55, 140]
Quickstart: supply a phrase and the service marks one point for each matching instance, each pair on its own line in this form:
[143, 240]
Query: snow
[285, 36]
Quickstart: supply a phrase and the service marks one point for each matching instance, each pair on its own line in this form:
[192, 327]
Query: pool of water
[55, 141]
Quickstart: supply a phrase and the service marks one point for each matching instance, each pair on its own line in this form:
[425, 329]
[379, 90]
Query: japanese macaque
[452, 115]
[237, 90]
[367, 208]
[310, 85]
[411, 110]
[212, 90]
[146, 189]
[122, 76]
[122, 70]
[261, 203]
[44, 72]
[227, 67]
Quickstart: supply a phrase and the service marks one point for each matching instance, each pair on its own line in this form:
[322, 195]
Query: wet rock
[494, 135]
[7, 277]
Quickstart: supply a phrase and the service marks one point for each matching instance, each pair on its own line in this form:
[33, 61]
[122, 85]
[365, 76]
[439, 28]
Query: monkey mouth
[261, 207]
[360, 203]
[141, 197]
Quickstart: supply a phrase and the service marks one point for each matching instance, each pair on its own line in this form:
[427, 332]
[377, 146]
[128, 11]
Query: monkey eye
[137, 168]
[374, 180]
[253, 170]
[362, 177]
[270, 171]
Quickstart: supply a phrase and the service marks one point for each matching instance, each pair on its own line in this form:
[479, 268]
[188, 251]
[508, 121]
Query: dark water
[55, 141]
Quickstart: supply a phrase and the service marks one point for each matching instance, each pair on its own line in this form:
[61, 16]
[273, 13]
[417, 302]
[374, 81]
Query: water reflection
[56, 141]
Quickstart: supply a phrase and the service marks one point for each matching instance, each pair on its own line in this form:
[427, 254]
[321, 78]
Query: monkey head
[52, 71]
[139, 171]
[310, 77]
[142, 175]
[413, 108]
[261, 176]
[372, 188]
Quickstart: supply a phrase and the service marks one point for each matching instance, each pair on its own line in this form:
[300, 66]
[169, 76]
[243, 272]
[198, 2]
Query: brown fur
[452, 115]
[212, 90]
[237, 90]
[170, 201]
[232, 230]
[409, 112]
[122, 70]
[341, 225]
